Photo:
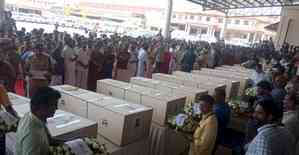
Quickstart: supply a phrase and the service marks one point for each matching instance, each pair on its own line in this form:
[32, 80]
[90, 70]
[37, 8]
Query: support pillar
[254, 37]
[248, 37]
[168, 19]
[2, 9]
[224, 27]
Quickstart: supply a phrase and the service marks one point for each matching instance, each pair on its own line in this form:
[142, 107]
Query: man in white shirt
[258, 75]
[272, 138]
[290, 117]
[142, 60]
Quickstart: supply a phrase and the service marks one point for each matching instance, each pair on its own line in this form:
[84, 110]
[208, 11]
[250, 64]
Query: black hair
[43, 97]
[259, 66]
[220, 92]
[207, 98]
[265, 85]
[271, 107]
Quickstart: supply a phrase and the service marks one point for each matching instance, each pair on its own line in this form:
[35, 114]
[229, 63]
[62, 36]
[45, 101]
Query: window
[191, 17]
[237, 22]
[246, 22]
[186, 17]
[180, 17]
[220, 20]
[208, 19]
[199, 18]
[204, 30]
[229, 21]
[174, 16]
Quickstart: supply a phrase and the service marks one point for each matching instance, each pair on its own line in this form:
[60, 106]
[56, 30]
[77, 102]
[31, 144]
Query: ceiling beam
[238, 2]
[259, 2]
[271, 3]
[219, 2]
[230, 3]
[206, 5]
[284, 5]
[279, 1]
[250, 3]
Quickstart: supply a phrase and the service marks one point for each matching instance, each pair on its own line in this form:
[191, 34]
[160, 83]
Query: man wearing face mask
[39, 69]
[33, 137]
[7, 71]
[204, 137]
[272, 138]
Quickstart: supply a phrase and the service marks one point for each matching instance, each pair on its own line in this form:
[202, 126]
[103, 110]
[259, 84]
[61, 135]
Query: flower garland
[8, 123]
[187, 121]
[95, 147]
[252, 92]
[6, 128]
[61, 150]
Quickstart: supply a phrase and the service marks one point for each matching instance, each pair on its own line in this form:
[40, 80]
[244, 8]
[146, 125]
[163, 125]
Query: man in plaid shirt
[272, 138]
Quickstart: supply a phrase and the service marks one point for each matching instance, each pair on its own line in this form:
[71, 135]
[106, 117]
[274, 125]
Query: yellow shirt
[4, 101]
[205, 135]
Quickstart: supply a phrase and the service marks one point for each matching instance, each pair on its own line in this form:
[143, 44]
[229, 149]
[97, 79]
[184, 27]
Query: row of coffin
[132, 115]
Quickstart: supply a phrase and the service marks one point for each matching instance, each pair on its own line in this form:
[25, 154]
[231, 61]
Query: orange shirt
[4, 100]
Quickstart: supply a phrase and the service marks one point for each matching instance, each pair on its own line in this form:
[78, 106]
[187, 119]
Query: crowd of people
[32, 61]
[42, 59]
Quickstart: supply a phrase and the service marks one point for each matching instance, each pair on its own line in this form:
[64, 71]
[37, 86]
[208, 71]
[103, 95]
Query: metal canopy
[226, 5]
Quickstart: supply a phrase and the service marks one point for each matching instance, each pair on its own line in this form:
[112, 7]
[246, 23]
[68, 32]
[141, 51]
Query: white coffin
[166, 141]
[243, 80]
[69, 100]
[17, 99]
[119, 121]
[163, 103]
[165, 86]
[112, 88]
[232, 87]
[115, 123]
[210, 86]
[137, 148]
[225, 71]
[64, 125]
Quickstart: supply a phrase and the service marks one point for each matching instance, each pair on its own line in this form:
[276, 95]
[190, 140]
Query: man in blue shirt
[222, 111]
[226, 137]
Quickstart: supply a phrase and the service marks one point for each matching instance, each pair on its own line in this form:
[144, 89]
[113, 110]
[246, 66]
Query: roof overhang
[228, 6]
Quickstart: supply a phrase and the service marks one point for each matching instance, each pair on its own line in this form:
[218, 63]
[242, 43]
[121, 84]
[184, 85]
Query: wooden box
[119, 121]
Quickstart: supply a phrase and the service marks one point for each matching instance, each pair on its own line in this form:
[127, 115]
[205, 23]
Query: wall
[288, 30]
